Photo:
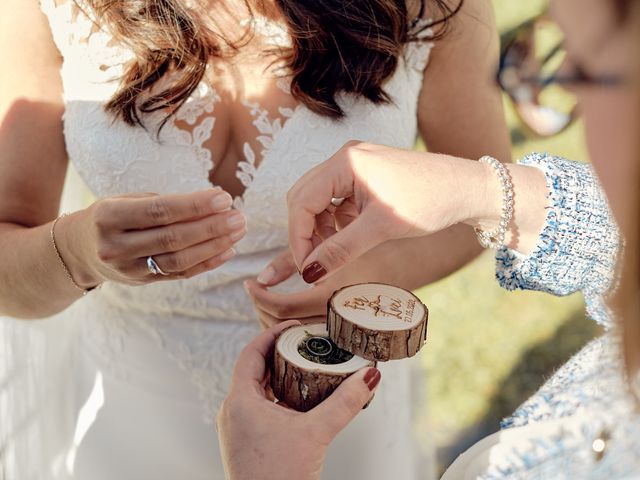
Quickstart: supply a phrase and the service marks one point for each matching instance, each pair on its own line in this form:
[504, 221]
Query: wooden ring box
[366, 323]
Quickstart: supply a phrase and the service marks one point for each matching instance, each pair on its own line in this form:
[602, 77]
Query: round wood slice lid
[291, 341]
[377, 321]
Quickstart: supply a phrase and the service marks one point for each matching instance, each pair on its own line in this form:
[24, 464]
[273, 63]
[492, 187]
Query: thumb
[335, 413]
[341, 248]
[279, 270]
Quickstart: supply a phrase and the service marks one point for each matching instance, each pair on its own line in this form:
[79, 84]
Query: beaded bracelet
[62, 262]
[495, 238]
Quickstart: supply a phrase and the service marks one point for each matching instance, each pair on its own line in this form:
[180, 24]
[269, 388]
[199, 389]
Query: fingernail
[369, 375]
[375, 380]
[228, 254]
[221, 201]
[266, 275]
[313, 272]
[236, 221]
[237, 235]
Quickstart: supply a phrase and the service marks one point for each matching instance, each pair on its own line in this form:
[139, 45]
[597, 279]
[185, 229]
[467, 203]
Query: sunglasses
[535, 71]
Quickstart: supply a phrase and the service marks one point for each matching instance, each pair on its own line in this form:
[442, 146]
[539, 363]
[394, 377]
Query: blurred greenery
[489, 349]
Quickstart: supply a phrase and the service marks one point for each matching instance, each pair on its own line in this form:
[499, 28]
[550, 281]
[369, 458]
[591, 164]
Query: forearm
[458, 194]
[414, 262]
[33, 283]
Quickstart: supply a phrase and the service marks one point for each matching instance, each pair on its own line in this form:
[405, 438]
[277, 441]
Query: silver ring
[154, 268]
[319, 346]
[336, 202]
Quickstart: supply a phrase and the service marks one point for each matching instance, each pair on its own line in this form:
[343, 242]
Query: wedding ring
[319, 346]
[154, 268]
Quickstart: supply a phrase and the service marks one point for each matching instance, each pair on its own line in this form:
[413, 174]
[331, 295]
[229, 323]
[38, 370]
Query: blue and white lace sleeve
[579, 245]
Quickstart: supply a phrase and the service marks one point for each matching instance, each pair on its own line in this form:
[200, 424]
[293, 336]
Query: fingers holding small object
[325, 225]
[252, 363]
[209, 264]
[179, 236]
[185, 260]
[134, 213]
[280, 269]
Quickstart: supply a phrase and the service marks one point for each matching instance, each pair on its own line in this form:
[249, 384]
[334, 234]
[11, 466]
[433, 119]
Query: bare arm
[109, 241]
[460, 114]
[33, 163]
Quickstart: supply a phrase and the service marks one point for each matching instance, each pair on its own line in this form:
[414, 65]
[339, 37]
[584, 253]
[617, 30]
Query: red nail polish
[376, 380]
[369, 375]
[313, 272]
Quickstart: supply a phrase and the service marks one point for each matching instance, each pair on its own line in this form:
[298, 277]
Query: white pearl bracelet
[495, 239]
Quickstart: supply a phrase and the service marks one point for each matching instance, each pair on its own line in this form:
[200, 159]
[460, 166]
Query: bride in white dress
[125, 381]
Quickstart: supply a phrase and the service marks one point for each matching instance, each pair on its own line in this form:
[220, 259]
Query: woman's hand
[262, 440]
[273, 307]
[187, 234]
[389, 194]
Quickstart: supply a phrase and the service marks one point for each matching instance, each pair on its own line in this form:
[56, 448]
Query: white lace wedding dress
[152, 364]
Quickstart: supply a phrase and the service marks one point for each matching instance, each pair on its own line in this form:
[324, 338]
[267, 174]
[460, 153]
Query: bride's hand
[186, 234]
[390, 194]
[262, 440]
[273, 307]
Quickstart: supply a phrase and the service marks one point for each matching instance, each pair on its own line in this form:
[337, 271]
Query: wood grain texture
[301, 384]
[371, 343]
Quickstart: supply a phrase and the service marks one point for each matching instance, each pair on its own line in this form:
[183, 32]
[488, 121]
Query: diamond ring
[154, 268]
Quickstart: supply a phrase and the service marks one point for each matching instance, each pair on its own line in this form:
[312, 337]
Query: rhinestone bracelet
[495, 238]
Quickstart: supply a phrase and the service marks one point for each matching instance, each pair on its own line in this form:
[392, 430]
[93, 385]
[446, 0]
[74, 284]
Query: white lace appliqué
[268, 130]
[203, 322]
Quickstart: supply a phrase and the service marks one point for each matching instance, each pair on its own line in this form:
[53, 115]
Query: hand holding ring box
[366, 323]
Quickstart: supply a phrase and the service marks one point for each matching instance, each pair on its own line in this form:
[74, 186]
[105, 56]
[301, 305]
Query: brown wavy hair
[337, 46]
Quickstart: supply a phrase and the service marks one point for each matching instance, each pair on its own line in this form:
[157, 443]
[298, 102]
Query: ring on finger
[154, 268]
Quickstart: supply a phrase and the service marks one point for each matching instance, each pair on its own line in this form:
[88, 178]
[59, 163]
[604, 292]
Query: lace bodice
[199, 319]
[114, 158]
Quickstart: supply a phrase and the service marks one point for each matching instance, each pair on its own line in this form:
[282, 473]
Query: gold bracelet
[62, 262]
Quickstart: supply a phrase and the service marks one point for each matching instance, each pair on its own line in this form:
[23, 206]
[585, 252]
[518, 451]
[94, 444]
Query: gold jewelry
[62, 262]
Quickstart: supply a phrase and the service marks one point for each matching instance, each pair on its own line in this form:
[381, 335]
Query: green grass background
[489, 349]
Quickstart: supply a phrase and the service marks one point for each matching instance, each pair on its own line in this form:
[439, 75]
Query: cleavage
[249, 103]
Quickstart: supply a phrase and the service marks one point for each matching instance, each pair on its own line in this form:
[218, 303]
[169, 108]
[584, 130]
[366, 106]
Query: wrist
[71, 240]
[483, 203]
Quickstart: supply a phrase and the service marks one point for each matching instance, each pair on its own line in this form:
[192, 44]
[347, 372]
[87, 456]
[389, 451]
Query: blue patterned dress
[588, 399]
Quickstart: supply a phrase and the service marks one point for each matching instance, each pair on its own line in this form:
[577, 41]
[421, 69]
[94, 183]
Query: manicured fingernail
[236, 221]
[221, 201]
[266, 275]
[313, 272]
[229, 254]
[373, 383]
[237, 235]
[369, 375]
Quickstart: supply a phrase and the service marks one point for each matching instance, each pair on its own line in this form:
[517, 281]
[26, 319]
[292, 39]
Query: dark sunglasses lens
[529, 64]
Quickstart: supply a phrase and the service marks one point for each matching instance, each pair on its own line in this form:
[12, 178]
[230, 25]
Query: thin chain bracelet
[495, 238]
[62, 262]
